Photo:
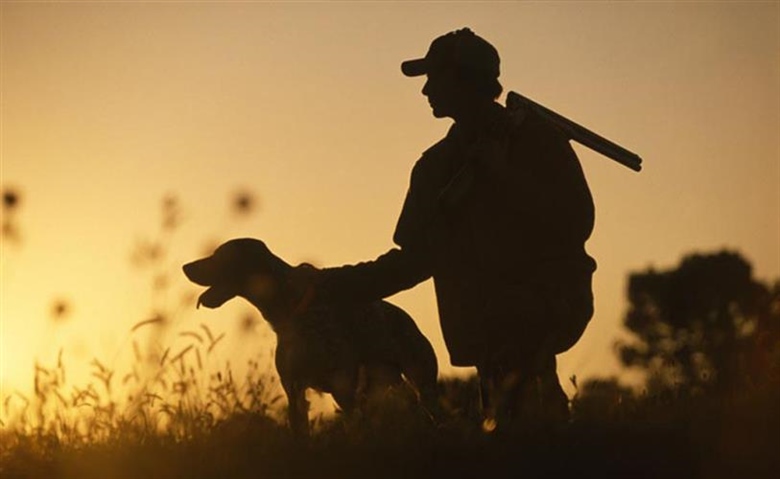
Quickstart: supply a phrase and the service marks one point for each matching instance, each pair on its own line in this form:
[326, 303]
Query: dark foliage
[706, 325]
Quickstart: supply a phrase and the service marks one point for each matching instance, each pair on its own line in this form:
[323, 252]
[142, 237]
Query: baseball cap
[461, 49]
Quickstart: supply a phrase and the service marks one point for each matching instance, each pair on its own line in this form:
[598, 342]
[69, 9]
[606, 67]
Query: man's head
[462, 70]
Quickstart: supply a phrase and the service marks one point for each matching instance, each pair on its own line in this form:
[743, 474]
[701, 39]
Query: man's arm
[399, 269]
[394, 271]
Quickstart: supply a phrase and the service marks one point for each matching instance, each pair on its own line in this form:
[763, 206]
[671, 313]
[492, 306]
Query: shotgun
[576, 132]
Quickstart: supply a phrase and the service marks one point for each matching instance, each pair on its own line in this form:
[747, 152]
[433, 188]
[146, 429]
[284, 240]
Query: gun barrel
[579, 133]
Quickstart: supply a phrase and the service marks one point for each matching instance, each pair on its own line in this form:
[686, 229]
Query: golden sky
[107, 108]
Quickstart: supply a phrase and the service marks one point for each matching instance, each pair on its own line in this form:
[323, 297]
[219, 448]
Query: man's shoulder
[531, 126]
[435, 158]
[436, 150]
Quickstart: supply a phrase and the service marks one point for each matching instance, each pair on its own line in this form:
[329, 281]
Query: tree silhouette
[706, 325]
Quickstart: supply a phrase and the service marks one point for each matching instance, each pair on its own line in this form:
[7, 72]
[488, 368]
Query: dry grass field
[178, 425]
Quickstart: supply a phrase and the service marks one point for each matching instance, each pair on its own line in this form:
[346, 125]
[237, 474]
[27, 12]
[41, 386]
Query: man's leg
[540, 399]
[522, 395]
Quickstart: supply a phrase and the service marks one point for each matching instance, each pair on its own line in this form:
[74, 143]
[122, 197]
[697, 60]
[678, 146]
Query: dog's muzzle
[202, 273]
[214, 297]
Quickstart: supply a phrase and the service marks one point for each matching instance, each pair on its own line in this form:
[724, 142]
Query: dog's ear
[215, 297]
[200, 272]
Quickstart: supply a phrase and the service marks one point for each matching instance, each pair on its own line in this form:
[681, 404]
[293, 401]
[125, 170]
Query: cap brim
[414, 68]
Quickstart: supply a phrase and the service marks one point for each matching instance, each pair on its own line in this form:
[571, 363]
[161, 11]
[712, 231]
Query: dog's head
[240, 267]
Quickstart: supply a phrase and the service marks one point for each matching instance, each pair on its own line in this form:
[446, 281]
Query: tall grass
[173, 395]
[180, 424]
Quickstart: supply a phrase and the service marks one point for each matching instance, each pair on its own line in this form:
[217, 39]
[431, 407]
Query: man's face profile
[443, 92]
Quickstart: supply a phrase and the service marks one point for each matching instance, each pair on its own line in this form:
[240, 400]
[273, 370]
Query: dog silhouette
[350, 351]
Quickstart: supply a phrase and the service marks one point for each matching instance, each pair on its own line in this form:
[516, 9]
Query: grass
[177, 424]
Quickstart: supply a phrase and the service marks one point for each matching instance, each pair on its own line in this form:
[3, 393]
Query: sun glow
[262, 122]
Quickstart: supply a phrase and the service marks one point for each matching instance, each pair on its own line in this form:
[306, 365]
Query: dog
[349, 351]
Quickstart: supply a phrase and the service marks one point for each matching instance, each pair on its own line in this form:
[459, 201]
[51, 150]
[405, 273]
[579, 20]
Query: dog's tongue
[214, 297]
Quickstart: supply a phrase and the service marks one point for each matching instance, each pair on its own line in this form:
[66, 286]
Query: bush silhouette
[705, 325]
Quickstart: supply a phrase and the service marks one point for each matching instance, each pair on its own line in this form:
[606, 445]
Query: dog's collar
[306, 300]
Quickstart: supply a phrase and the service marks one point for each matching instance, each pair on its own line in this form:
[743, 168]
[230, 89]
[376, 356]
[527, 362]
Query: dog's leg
[298, 410]
[421, 371]
[423, 377]
[346, 387]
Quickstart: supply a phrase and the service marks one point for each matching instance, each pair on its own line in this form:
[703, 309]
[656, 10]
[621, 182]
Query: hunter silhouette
[498, 213]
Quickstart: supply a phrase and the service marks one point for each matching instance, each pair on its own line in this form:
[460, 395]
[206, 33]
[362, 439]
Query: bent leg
[522, 396]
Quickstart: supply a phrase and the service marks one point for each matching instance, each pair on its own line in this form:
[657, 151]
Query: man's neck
[476, 118]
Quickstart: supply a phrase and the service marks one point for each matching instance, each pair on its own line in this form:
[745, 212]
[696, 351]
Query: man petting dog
[498, 213]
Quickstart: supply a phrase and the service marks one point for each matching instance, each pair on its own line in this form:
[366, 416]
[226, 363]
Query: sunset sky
[107, 108]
